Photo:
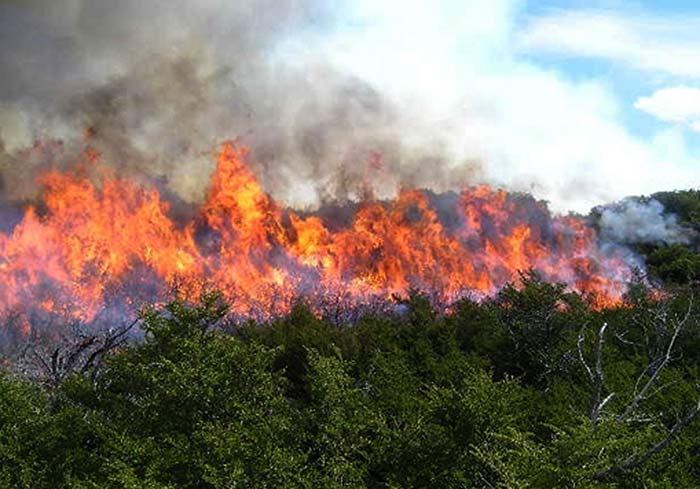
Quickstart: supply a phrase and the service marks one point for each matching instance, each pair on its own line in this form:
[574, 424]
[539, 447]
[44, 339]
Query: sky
[579, 102]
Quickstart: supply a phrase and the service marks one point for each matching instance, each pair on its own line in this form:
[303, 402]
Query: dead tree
[80, 353]
[596, 375]
[667, 325]
[636, 460]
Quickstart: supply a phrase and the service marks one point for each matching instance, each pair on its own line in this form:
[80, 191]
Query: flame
[97, 240]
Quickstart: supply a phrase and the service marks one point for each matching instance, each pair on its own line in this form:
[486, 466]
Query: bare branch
[604, 402]
[621, 338]
[655, 369]
[580, 354]
[82, 354]
[596, 402]
[110, 342]
[635, 461]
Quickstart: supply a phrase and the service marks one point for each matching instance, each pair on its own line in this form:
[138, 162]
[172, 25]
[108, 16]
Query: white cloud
[531, 128]
[679, 104]
[664, 44]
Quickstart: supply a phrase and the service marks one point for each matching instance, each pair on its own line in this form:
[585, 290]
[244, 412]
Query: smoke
[159, 84]
[633, 221]
[336, 99]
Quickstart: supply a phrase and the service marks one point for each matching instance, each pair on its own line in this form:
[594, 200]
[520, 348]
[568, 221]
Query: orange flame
[94, 243]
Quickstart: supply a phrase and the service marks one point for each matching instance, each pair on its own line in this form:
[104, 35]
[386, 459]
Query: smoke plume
[633, 221]
[157, 85]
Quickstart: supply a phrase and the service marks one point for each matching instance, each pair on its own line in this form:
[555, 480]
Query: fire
[97, 240]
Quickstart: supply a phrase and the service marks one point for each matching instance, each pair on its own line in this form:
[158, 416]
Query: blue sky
[627, 82]
[578, 101]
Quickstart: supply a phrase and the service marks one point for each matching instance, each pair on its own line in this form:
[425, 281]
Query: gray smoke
[161, 82]
[634, 221]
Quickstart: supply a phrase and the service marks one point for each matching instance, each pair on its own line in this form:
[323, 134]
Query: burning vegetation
[97, 242]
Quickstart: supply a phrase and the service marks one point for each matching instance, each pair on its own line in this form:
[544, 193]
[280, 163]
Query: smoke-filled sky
[577, 102]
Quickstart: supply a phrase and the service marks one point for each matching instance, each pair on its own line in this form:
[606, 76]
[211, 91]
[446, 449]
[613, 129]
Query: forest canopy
[533, 388]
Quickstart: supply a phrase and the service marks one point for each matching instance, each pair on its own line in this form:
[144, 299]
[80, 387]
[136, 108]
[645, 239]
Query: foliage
[677, 263]
[683, 203]
[491, 394]
[674, 264]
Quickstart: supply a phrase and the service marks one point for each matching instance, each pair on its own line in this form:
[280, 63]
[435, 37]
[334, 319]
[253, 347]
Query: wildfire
[97, 242]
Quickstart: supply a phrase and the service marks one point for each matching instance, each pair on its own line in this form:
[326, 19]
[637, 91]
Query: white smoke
[163, 82]
[633, 221]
